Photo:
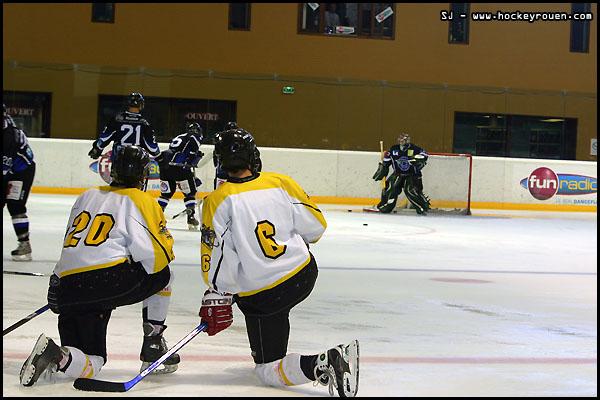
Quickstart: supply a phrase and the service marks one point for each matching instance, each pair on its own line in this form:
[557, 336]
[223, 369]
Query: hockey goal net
[447, 183]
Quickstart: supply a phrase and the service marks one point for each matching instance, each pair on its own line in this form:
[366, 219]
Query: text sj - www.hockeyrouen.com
[517, 15]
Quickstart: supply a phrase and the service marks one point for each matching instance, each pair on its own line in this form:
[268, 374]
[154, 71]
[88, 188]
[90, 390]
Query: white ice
[493, 304]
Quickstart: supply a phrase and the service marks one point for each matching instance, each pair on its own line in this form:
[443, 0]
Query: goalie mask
[235, 149]
[403, 139]
[130, 166]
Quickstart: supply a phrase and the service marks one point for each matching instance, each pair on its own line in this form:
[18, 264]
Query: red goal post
[447, 181]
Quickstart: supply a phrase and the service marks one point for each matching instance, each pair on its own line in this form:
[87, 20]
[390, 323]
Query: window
[374, 20]
[458, 29]
[30, 111]
[168, 116]
[103, 12]
[580, 30]
[515, 136]
[239, 16]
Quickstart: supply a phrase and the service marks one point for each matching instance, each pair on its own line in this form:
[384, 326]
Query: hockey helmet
[231, 125]
[135, 100]
[235, 149]
[6, 118]
[130, 166]
[195, 129]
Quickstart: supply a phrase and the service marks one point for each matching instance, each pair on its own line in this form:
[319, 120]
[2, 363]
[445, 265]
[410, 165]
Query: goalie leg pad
[389, 196]
[415, 196]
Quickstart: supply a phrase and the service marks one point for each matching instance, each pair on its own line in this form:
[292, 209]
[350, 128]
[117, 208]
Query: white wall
[495, 181]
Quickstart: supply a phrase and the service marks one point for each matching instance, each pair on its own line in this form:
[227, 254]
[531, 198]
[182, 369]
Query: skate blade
[351, 380]
[193, 227]
[24, 257]
[28, 369]
[163, 369]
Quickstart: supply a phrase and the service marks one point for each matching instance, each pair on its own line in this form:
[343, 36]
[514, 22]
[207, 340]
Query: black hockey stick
[24, 273]
[94, 385]
[187, 210]
[27, 318]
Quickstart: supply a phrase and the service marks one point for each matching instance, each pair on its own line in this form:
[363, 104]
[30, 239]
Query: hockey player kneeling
[116, 252]
[407, 161]
[256, 227]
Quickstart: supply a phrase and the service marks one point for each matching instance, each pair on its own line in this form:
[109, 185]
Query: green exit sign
[288, 90]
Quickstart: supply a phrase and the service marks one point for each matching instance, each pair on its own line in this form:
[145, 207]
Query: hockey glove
[95, 152]
[53, 290]
[382, 171]
[216, 311]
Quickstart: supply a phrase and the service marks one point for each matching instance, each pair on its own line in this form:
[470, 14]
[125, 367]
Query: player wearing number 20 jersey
[115, 225]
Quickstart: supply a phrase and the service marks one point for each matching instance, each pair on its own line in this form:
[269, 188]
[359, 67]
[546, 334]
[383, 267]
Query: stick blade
[93, 385]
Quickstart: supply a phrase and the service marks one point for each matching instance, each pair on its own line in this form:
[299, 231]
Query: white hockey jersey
[254, 233]
[109, 225]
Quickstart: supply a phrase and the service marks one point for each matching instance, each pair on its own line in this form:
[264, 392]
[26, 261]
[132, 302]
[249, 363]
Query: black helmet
[130, 166]
[235, 149]
[6, 118]
[135, 100]
[231, 125]
[195, 129]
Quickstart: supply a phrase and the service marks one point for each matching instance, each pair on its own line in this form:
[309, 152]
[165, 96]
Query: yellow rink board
[366, 201]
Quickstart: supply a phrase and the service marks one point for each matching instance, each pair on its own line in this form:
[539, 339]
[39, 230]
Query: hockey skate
[22, 252]
[44, 358]
[153, 348]
[193, 224]
[338, 368]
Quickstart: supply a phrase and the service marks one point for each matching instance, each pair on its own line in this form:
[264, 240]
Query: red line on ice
[368, 359]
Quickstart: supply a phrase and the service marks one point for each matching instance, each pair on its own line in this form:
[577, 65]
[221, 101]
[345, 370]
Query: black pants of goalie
[413, 189]
[85, 301]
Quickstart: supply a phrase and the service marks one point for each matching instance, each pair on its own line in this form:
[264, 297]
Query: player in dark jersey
[127, 127]
[407, 161]
[176, 170]
[18, 171]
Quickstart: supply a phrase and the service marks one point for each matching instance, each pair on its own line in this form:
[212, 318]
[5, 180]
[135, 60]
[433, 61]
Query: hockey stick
[24, 273]
[180, 213]
[381, 152]
[95, 385]
[27, 318]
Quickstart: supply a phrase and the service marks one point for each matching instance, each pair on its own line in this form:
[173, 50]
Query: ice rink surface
[493, 304]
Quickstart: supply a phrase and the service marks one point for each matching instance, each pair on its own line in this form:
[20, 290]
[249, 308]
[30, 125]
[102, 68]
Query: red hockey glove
[216, 311]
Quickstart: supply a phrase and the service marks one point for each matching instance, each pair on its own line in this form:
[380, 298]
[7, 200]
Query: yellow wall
[508, 67]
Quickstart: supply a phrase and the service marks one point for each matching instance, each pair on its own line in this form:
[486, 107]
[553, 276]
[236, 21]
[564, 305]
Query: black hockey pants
[267, 313]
